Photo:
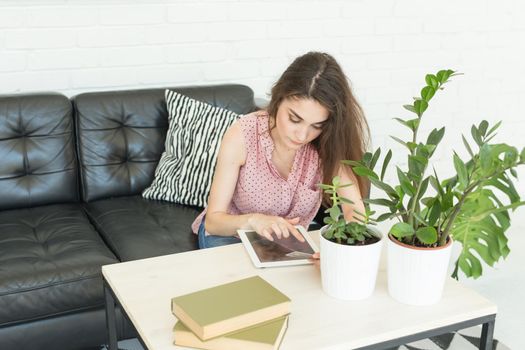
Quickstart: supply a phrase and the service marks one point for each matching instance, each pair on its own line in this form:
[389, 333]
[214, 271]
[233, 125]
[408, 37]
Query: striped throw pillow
[186, 167]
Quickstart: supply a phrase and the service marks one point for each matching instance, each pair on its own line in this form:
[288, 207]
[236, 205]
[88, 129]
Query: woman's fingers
[295, 232]
[277, 230]
[267, 234]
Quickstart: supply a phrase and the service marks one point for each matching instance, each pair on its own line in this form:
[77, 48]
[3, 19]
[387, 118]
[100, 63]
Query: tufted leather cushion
[136, 228]
[38, 162]
[50, 259]
[121, 134]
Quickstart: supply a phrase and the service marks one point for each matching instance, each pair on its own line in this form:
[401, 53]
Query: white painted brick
[261, 86]
[236, 31]
[259, 48]
[132, 14]
[352, 63]
[294, 29]
[197, 12]
[364, 8]
[40, 81]
[413, 60]
[12, 61]
[224, 71]
[110, 36]
[274, 67]
[312, 10]
[256, 11]
[41, 38]
[411, 8]
[131, 56]
[62, 59]
[465, 40]
[448, 24]
[398, 25]
[12, 18]
[370, 79]
[348, 27]
[172, 75]
[506, 39]
[176, 33]
[63, 16]
[367, 44]
[104, 77]
[417, 42]
[197, 53]
[297, 47]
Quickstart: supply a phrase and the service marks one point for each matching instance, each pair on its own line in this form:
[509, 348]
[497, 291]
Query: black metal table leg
[487, 333]
[110, 318]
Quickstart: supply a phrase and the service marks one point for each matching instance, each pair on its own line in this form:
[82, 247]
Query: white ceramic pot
[416, 276]
[349, 272]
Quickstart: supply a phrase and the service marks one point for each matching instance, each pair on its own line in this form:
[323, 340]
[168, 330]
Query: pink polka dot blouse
[261, 189]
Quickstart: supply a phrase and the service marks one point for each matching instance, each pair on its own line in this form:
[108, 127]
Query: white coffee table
[144, 288]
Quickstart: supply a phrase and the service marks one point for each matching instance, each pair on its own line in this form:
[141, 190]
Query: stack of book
[245, 314]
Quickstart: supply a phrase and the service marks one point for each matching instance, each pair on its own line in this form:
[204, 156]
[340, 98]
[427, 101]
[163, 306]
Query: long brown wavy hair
[345, 135]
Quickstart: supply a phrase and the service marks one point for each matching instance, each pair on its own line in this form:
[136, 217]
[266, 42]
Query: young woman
[271, 162]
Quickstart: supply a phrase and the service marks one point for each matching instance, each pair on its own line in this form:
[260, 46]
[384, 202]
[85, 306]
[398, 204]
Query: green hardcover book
[267, 336]
[230, 307]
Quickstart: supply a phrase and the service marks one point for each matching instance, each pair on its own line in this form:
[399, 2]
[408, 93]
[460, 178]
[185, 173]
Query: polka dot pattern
[260, 187]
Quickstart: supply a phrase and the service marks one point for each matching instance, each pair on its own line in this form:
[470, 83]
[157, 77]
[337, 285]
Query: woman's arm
[232, 155]
[352, 193]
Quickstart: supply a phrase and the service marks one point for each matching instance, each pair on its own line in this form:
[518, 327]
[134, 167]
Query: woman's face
[299, 121]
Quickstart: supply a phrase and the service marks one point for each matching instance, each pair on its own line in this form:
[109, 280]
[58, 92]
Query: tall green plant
[465, 207]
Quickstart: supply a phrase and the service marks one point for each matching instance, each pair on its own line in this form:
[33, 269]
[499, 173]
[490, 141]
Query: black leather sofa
[71, 176]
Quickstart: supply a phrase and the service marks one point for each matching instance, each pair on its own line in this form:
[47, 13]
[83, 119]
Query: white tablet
[280, 252]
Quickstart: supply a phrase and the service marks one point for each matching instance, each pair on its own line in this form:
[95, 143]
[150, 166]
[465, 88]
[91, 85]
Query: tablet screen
[279, 252]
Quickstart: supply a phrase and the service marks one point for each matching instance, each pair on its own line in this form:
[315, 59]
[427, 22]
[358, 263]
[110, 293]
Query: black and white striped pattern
[186, 167]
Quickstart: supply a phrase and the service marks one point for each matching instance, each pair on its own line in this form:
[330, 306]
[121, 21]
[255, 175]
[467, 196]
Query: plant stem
[452, 217]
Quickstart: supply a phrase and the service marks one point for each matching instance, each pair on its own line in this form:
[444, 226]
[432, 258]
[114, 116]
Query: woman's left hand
[316, 257]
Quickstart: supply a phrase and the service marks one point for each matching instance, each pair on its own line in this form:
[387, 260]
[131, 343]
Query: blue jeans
[212, 240]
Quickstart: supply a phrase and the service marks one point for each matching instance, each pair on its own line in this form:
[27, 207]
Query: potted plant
[351, 250]
[470, 208]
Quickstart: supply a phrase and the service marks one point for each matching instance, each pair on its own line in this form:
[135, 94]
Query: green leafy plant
[467, 207]
[340, 231]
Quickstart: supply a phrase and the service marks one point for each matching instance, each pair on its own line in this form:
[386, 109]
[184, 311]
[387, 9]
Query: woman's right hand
[265, 225]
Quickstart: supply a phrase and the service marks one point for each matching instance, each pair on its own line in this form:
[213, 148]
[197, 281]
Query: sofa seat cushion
[136, 228]
[50, 259]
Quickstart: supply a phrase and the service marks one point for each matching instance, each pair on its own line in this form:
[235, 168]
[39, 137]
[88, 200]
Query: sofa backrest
[121, 134]
[37, 153]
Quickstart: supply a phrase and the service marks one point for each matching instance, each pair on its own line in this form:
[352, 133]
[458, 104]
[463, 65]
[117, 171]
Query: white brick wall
[385, 47]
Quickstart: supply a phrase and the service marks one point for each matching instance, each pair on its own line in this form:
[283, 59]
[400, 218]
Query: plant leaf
[402, 229]
[380, 201]
[432, 81]
[467, 146]
[385, 164]
[427, 235]
[427, 93]
[483, 238]
[409, 108]
[435, 136]
[385, 187]
[374, 159]
[462, 171]
[496, 126]
[362, 171]
[420, 106]
[476, 135]
[443, 75]
[406, 186]
[483, 127]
